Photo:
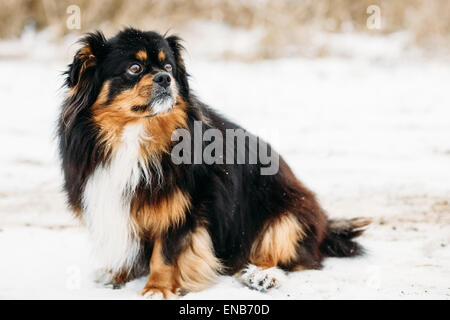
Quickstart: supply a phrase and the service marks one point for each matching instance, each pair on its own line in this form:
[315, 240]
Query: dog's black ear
[180, 73]
[85, 60]
[81, 76]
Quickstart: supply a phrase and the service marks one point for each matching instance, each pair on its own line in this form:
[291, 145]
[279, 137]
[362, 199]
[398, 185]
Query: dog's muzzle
[163, 95]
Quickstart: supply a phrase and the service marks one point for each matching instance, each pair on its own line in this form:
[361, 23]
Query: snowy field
[367, 128]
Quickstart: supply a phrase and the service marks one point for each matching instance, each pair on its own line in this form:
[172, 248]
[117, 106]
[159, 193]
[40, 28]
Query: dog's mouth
[162, 101]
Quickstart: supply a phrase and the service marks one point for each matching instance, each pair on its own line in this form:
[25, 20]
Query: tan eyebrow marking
[141, 55]
[161, 55]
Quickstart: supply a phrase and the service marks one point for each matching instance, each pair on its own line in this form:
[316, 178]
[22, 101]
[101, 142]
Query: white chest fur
[106, 200]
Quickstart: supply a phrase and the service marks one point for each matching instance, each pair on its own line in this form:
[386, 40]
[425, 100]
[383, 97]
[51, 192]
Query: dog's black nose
[162, 79]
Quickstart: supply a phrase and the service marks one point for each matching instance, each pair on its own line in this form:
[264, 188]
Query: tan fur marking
[86, 50]
[123, 276]
[112, 118]
[277, 242]
[102, 97]
[161, 55]
[197, 265]
[88, 60]
[163, 277]
[85, 55]
[77, 211]
[157, 218]
[160, 128]
[141, 55]
[196, 268]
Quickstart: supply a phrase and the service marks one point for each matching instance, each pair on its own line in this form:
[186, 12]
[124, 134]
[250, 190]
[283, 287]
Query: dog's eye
[135, 69]
[168, 67]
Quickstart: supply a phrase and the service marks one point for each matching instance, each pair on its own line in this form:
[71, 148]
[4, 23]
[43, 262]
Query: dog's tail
[339, 240]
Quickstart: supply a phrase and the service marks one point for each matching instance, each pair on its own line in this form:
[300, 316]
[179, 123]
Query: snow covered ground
[367, 128]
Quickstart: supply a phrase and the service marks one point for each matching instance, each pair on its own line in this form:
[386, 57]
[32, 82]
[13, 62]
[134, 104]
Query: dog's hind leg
[276, 246]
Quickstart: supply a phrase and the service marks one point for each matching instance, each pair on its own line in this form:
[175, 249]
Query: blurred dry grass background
[282, 21]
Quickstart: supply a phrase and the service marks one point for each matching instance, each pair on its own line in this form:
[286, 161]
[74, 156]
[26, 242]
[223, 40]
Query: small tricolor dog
[185, 223]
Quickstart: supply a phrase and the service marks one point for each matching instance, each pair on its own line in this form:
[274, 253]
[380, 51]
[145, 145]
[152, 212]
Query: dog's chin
[161, 104]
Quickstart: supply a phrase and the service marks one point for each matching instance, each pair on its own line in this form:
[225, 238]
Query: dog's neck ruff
[107, 199]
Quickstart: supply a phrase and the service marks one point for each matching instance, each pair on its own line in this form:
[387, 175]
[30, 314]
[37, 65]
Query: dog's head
[128, 77]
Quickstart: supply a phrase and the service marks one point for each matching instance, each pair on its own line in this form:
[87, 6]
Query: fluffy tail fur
[339, 240]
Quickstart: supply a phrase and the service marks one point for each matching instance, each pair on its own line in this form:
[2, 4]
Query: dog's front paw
[261, 279]
[103, 276]
[154, 293]
[107, 277]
